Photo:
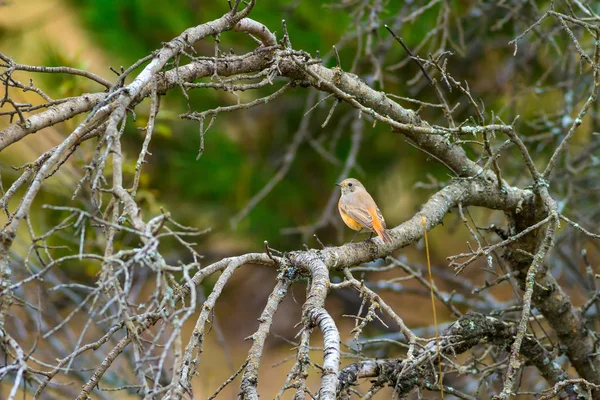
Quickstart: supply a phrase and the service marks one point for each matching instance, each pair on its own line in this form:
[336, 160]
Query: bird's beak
[338, 184]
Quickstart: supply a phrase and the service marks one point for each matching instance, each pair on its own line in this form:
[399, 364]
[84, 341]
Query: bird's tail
[384, 235]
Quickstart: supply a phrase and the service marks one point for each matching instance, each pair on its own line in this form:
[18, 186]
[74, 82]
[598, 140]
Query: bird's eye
[349, 185]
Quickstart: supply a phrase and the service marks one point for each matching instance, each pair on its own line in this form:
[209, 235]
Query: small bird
[359, 211]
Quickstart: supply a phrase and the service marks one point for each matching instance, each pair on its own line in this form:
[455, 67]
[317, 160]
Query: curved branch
[257, 29]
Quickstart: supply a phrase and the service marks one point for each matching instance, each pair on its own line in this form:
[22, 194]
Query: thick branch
[316, 315]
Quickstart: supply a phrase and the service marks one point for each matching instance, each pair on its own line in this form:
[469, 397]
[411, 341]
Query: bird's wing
[361, 215]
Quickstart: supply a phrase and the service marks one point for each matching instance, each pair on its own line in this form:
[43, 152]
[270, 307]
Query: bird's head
[350, 185]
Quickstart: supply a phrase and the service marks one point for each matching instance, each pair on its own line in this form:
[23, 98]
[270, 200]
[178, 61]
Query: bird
[359, 211]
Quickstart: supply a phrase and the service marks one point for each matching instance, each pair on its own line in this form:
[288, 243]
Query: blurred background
[245, 149]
